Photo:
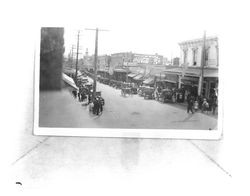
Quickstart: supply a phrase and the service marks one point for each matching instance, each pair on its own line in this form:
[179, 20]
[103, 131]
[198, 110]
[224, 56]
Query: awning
[170, 81]
[132, 75]
[120, 70]
[149, 81]
[160, 75]
[103, 70]
[69, 81]
[195, 72]
[138, 77]
[211, 73]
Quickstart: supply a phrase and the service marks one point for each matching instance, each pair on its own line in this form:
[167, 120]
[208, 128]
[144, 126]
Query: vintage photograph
[87, 81]
[126, 97]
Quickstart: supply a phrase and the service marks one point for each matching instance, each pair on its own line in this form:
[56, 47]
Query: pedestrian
[205, 106]
[190, 102]
[196, 106]
[74, 92]
[79, 96]
[214, 104]
[95, 106]
[101, 103]
[89, 98]
[99, 106]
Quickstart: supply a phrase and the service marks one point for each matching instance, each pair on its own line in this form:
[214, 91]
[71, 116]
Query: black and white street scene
[126, 89]
[127, 98]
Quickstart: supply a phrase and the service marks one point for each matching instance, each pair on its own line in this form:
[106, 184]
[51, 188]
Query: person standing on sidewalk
[190, 102]
[214, 104]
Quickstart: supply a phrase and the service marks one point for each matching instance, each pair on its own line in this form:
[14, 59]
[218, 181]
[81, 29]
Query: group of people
[96, 106]
[204, 104]
[80, 95]
[85, 93]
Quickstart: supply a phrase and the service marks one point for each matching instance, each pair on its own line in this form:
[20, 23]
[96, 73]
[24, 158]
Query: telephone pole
[72, 56]
[77, 52]
[95, 57]
[203, 63]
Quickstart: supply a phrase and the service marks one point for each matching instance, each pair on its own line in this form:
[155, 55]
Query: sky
[146, 27]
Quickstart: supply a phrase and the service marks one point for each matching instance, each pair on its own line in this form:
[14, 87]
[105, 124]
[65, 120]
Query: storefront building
[189, 80]
[193, 73]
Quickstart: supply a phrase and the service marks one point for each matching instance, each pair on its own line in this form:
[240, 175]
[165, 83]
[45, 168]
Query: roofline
[214, 38]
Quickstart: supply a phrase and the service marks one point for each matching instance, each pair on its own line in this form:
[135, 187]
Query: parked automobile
[167, 95]
[148, 93]
[141, 90]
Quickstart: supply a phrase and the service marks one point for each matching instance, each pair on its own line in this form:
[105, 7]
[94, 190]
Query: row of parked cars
[163, 95]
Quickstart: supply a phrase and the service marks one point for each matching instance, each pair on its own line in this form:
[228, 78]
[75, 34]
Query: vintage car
[167, 95]
[126, 91]
[112, 83]
[149, 93]
[89, 86]
[119, 84]
[105, 81]
[134, 88]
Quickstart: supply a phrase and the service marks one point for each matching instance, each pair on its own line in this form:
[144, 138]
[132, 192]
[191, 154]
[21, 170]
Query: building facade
[176, 61]
[120, 59]
[191, 75]
[191, 52]
[103, 62]
[148, 59]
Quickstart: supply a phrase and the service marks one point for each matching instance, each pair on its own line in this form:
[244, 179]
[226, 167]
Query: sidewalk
[184, 106]
[61, 109]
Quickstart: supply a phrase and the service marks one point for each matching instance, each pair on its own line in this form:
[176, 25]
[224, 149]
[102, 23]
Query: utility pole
[72, 56]
[77, 52]
[95, 57]
[203, 62]
[172, 58]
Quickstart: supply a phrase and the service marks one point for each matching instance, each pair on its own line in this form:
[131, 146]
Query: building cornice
[196, 41]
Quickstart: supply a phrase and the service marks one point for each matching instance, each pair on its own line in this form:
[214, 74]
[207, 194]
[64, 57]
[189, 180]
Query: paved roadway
[136, 112]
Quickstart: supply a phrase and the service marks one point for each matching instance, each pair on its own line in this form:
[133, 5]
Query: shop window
[204, 89]
[212, 89]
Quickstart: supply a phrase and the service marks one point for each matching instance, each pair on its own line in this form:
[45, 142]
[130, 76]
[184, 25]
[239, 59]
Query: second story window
[217, 55]
[184, 56]
[207, 55]
[195, 50]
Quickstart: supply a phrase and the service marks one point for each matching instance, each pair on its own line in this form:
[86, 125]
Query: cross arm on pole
[89, 29]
